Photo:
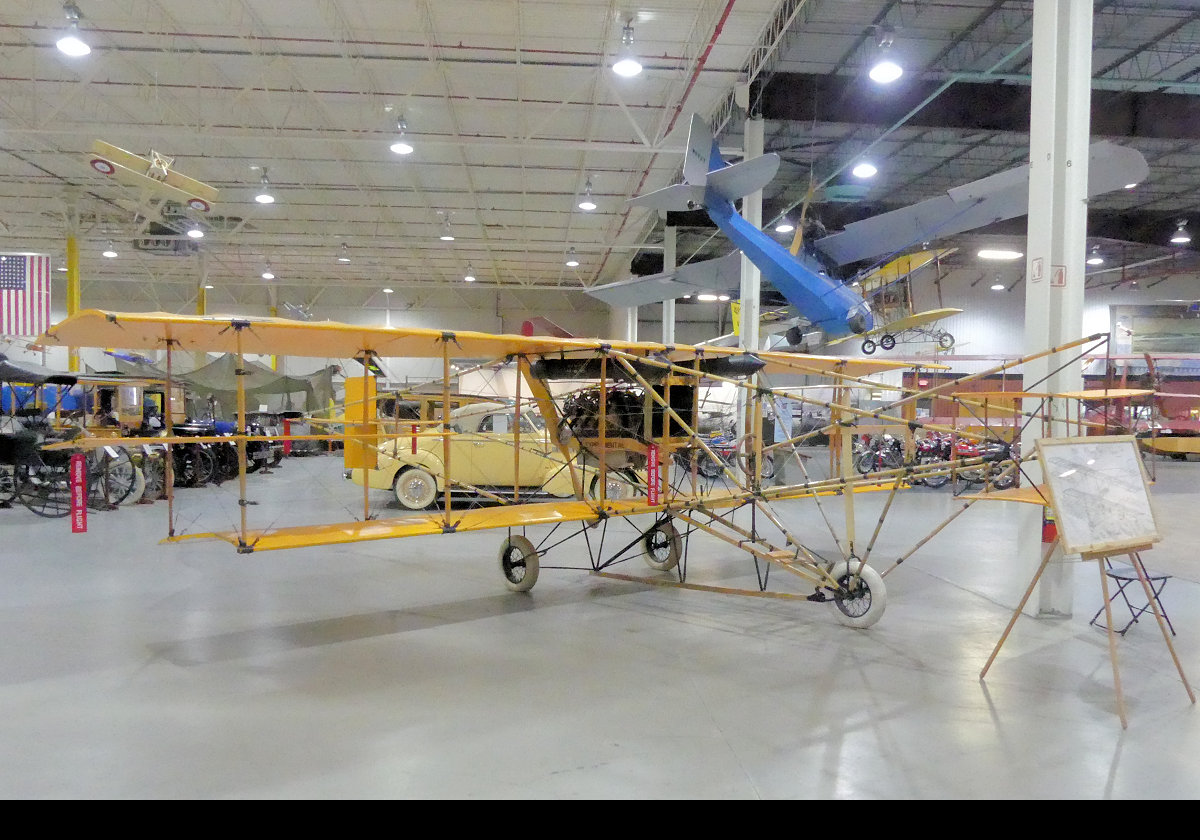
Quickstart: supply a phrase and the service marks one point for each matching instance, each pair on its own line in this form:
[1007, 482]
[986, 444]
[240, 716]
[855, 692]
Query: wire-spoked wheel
[519, 563]
[45, 490]
[860, 595]
[662, 547]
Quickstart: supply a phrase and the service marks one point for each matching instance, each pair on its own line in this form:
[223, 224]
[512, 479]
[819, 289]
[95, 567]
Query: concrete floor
[405, 669]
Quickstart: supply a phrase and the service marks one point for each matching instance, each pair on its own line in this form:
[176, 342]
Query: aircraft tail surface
[704, 169]
[698, 161]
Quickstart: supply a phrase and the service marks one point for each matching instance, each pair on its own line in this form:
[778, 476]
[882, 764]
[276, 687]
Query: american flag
[24, 294]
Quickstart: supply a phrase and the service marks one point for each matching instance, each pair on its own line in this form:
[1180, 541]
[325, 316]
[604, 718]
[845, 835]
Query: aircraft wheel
[415, 488]
[662, 547]
[794, 336]
[868, 346]
[519, 563]
[887, 342]
[860, 595]
[945, 341]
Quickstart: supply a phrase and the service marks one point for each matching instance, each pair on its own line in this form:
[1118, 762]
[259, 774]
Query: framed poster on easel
[1100, 495]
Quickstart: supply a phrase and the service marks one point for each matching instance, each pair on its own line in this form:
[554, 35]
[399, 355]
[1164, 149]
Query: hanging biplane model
[889, 291]
[152, 177]
[806, 275]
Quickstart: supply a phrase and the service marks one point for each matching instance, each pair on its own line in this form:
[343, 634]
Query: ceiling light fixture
[998, 286]
[110, 251]
[1181, 237]
[209, 286]
[447, 234]
[627, 64]
[401, 146]
[196, 232]
[784, 226]
[1095, 258]
[572, 260]
[264, 196]
[707, 297]
[586, 202]
[470, 275]
[267, 273]
[71, 43]
[999, 254]
[1130, 186]
[885, 71]
[344, 254]
[866, 169]
[387, 291]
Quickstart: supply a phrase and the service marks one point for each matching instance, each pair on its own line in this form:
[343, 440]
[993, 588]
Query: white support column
[751, 276]
[623, 323]
[750, 294]
[670, 259]
[1060, 116]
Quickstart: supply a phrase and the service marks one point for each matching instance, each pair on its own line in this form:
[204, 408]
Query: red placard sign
[78, 485]
[414, 433]
[652, 477]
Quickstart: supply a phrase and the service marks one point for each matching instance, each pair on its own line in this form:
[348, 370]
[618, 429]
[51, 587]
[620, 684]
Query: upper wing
[716, 275]
[1004, 195]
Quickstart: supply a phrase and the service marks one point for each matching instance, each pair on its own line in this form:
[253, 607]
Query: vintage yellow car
[481, 454]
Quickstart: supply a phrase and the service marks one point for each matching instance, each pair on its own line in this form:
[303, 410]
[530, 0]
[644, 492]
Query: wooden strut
[363, 451]
[755, 546]
[928, 537]
[169, 423]
[445, 424]
[243, 429]
[883, 515]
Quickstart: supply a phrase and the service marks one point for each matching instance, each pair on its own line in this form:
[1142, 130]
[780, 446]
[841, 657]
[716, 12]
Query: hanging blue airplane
[820, 300]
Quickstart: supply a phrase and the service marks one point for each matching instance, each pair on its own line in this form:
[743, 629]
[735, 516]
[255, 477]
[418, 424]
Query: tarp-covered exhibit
[264, 386]
[19, 380]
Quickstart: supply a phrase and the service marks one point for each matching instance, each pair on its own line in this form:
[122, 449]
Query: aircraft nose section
[858, 322]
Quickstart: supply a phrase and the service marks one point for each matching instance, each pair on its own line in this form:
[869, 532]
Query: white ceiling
[512, 108]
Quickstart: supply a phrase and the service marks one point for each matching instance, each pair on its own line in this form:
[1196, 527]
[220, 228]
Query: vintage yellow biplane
[889, 291]
[618, 419]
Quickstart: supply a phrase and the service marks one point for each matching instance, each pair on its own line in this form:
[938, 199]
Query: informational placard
[1097, 487]
[78, 484]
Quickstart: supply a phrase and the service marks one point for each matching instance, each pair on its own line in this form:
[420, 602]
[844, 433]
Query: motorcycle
[996, 467]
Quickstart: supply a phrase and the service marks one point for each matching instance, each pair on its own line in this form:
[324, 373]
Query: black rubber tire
[868, 346]
[887, 342]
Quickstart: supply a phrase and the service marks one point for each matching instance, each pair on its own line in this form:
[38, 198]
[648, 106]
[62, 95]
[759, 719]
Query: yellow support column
[73, 296]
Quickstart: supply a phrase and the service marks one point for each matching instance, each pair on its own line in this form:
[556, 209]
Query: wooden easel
[1085, 477]
[1135, 560]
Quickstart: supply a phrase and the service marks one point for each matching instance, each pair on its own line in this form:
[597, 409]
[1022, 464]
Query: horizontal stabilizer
[745, 177]
[678, 197]
[721, 274]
